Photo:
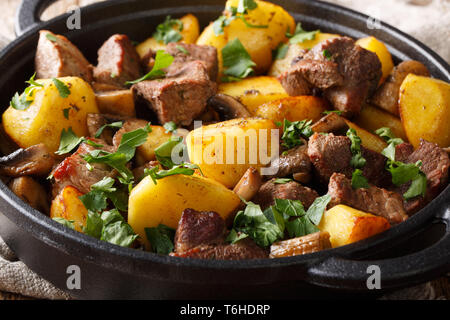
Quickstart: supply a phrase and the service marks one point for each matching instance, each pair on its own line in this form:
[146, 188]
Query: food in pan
[252, 138]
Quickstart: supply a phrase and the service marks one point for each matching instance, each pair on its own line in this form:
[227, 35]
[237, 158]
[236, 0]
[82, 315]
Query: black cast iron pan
[412, 252]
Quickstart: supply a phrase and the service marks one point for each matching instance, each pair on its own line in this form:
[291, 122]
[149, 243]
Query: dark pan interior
[138, 20]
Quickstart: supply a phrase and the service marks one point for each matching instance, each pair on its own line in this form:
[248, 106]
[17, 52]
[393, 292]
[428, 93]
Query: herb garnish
[63, 90]
[116, 125]
[332, 111]
[403, 172]
[293, 131]
[170, 126]
[236, 60]
[69, 141]
[244, 6]
[357, 161]
[162, 60]
[187, 169]
[327, 54]
[266, 227]
[51, 37]
[23, 101]
[358, 180]
[183, 50]
[68, 223]
[280, 52]
[169, 31]
[161, 238]
[282, 180]
[300, 35]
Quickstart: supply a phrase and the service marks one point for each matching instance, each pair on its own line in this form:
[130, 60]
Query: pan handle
[342, 273]
[29, 14]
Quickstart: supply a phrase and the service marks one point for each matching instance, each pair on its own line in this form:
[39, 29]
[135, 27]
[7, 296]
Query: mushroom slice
[249, 184]
[31, 192]
[36, 160]
[228, 107]
[332, 122]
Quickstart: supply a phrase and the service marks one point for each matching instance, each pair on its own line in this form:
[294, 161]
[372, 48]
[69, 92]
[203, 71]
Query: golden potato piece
[386, 97]
[425, 110]
[225, 150]
[162, 203]
[253, 92]
[310, 243]
[369, 140]
[281, 65]
[347, 225]
[50, 113]
[375, 45]
[372, 118]
[120, 102]
[67, 205]
[293, 109]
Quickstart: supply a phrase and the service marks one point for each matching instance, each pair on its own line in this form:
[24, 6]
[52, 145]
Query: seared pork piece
[331, 123]
[118, 62]
[181, 97]
[292, 190]
[374, 200]
[295, 161]
[386, 96]
[346, 73]
[201, 235]
[330, 154]
[435, 165]
[58, 57]
[192, 52]
[310, 243]
[31, 192]
[74, 172]
[36, 160]
[403, 151]
[249, 184]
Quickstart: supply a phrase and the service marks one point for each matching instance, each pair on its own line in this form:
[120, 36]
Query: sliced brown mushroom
[249, 184]
[331, 123]
[36, 160]
[31, 192]
[228, 107]
[294, 162]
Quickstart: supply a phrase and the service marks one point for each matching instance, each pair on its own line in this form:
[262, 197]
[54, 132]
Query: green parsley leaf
[316, 210]
[293, 131]
[169, 31]
[161, 239]
[332, 111]
[51, 37]
[66, 113]
[183, 49]
[163, 153]
[282, 180]
[183, 168]
[301, 35]
[234, 236]
[418, 187]
[236, 60]
[280, 52]
[358, 180]
[357, 160]
[68, 142]
[116, 125]
[170, 126]
[94, 225]
[63, 90]
[68, 223]
[289, 208]
[23, 101]
[162, 61]
[327, 54]
[246, 5]
[119, 233]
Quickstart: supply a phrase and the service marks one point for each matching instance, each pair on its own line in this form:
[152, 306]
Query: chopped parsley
[403, 172]
[237, 62]
[332, 111]
[66, 113]
[169, 31]
[294, 131]
[184, 168]
[327, 54]
[183, 50]
[358, 180]
[239, 12]
[162, 61]
[357, 161]
[170, 126]
[23, 101]
[161, 238]
[280, 52]
[116, 125]
[51, 37]
[69, 141]
[63, 90]
[68, 223]
[300, 35]
[282, 180]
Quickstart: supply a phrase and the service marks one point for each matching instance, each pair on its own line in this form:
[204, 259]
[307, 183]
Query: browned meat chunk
[96, 120]
[295, 161]
[74, 172]
[346, 73]
[118, 62]
[58, 57]
[181, 97]
[403, 151]
[330, 154]
[386, 96]
[292, 190]
[373, 200]
[435, 165]
[192, 52]
[31, 192]
[36, 160]
[201, 235]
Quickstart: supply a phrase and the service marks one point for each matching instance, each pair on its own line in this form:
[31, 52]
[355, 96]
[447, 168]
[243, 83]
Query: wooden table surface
[441, 286]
